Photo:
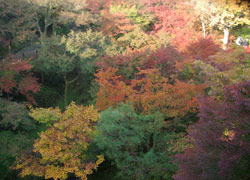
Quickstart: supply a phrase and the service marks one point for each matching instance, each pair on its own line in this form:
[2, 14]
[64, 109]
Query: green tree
[132, 11]
[18, 131]
[53, 15]
[16, 23]
[138, 144]
[69, 57]
[88, 46]
[14, 116]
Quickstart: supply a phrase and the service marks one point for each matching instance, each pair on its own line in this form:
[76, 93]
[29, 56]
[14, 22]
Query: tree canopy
[124, 89]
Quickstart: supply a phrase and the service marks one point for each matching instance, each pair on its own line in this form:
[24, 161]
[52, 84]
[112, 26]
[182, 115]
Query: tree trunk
[9, 47]
[67, 83]
[204, 29]
[226, 38]
[42, 77]
[66, 86]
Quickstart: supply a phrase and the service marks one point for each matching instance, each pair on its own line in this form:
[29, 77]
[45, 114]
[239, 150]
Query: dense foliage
[138, 141]
[124, 89]
[220, 139]
[61, 149]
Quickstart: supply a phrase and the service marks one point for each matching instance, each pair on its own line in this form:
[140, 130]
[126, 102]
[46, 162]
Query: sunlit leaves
[112, 90]
[132, 12]
[87, 45]
[47, 116]
[149, 92]
[62, 149]
[154, 93]
[148, 54]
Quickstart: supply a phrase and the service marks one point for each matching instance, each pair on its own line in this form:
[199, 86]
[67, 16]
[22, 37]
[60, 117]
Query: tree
[220, 70]
[202, 49]
[27, 21]
[171, 16]
[63, 148]
[149, 91]
[138, 141]
[87, 45]
[112, 90]
[16, 23]
[220, 139]
[17, 134]
[15, 79]
[116, 24]
[69, 57]
[204, 10]
[174, 18]
[152, 92]
[14, 116]
[98, 6]
[51, 16]
[132, 12]
[165, 59]
[226, 15]
[47, 116]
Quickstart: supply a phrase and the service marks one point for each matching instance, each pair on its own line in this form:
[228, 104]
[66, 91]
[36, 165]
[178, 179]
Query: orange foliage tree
[148, 92]
[152, 92]
[112, 90]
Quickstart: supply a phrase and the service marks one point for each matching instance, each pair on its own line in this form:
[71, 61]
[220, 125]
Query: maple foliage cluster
[124, 89]
[55, 146]
[16, 78]
[226, 151]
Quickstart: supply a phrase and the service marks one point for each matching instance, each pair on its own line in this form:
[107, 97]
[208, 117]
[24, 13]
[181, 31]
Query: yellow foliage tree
[62, 149]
